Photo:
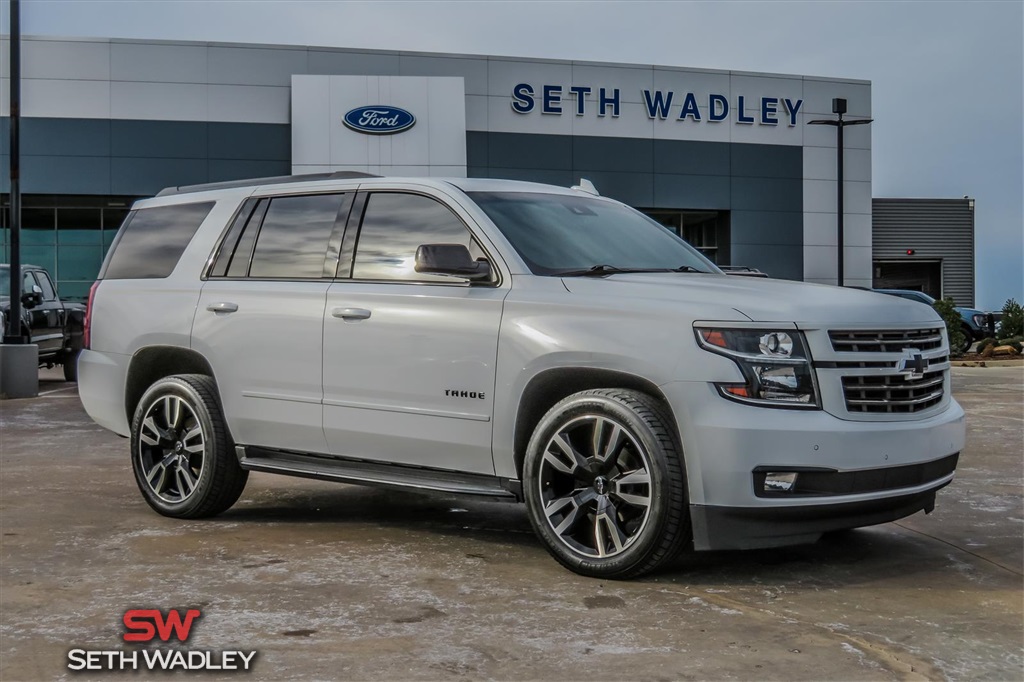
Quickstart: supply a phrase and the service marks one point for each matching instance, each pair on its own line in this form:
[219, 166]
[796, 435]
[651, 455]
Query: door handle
[351, 314]
[222, 307]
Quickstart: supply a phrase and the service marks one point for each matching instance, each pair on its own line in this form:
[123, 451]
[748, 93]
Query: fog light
[780, 481]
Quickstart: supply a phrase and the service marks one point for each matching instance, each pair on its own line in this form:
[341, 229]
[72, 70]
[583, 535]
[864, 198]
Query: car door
[260, 318]
[409, 359]
[49, 316]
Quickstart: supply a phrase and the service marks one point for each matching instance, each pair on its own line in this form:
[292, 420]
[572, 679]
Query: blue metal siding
[123, 157]
[761, 185]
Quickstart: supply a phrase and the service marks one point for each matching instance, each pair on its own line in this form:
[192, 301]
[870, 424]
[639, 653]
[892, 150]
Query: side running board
[362, 472]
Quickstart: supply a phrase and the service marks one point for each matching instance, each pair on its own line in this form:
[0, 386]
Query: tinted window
[152, 240]
[560, 232]
[292, 242]
[5, 282]
[394, 226]
[49, 294]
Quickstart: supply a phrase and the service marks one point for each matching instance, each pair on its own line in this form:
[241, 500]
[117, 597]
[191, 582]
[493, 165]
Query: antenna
[586, 186]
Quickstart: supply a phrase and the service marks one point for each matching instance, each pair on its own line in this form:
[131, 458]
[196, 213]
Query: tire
[968, 340]
[69, 362]
[617, 509]
[182, 455]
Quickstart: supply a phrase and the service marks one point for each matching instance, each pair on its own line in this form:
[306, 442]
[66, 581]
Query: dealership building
[726, 159]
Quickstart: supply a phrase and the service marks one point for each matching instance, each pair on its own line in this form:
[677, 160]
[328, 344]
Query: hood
[760, 300]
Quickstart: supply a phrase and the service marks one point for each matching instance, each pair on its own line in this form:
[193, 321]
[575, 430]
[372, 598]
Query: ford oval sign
[379, 120]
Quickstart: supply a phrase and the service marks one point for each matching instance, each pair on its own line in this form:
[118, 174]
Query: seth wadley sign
[660, 104]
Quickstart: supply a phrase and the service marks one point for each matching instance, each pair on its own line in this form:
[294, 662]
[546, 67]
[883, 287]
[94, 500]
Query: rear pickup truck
[55, 326]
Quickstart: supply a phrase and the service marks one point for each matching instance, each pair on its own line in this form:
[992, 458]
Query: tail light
[87, 331]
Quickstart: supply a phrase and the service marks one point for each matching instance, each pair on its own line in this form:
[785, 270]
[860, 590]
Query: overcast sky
[947, 77]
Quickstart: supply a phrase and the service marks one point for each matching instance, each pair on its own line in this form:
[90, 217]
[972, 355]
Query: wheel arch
[152, 363]
[547, 388]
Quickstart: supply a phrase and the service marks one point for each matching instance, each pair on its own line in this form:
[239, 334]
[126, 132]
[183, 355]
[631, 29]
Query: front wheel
[182, 455]
[605, 485]
[967, 342]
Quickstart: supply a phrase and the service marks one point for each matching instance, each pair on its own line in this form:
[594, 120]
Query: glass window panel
[79, 226]
[394, 226]
[80, 262]
[44, 256]
[112, 219]
[152, 243]
[37, 226]
[292, 243]
[49, 294]
[74, 291]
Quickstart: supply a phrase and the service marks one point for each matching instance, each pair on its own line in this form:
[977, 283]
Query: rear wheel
[182, 455]
[605, 485]
[69, 363]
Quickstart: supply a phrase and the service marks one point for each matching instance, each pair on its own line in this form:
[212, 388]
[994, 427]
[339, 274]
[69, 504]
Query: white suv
[510, 340]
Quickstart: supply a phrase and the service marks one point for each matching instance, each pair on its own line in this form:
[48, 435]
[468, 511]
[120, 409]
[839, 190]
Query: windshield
[563, 234]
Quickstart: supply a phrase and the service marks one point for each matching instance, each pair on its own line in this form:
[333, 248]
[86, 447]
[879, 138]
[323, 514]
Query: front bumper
[725, 444]
[758, 527]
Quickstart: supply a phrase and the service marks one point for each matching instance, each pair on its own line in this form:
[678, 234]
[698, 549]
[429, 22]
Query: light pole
[839, 108]
[19, 359]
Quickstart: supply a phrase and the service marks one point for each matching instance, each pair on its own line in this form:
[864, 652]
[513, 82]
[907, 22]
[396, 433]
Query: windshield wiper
[604, 269]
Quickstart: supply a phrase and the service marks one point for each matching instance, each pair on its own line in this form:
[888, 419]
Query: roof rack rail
[254, 182]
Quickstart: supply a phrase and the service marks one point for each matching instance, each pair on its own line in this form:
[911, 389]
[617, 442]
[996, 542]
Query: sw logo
[142, 625]
[147, 625]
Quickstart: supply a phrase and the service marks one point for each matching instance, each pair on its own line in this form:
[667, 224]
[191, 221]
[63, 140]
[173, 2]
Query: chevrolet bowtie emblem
[912, 365]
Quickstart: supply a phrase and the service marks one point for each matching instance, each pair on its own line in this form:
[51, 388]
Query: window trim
[354, 230]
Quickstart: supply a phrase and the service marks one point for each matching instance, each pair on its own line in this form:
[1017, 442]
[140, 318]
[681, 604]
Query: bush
[985, 343]
[954, 323]
[1013, 320]
[1015, 341]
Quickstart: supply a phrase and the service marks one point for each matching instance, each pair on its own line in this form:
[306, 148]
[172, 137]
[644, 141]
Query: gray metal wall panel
[783, 261]
[57, 174]
[767, 227]
[233, 169]
[526, 151]
[679, 157]
[257, 141]
[691, 191]
[54, 137]
[169, 140]
[767, 194]
[766, 161]
[619, 155]
[936, 229]
[142, 177]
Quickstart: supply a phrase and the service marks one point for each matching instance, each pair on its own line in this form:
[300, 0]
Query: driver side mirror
[31, 299]
[451, 259]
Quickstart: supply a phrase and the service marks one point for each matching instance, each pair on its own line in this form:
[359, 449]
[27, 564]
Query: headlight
[774, 362]
[980, 320]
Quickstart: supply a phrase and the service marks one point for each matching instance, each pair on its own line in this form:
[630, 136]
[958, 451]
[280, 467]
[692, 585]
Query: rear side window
[292, 242]
[152, 240]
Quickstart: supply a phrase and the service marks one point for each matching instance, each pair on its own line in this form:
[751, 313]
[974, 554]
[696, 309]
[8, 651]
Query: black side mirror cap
[31, 299]
[450, 259]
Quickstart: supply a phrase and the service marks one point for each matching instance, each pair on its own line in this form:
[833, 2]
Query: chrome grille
[885, 340]
[893, 393]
